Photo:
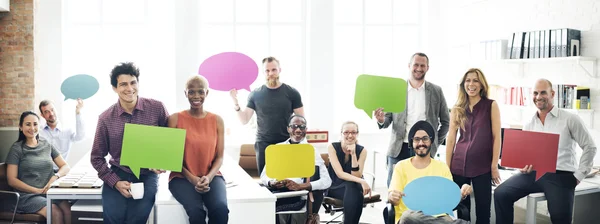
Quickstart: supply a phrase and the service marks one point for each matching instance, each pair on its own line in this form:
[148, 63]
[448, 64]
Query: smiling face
[49, 114]
[196, 92]
[29, 127]
[543, 95]
[421, 143]
[297, 129]
[472, 84]
[350, 133]
[418, 67]
[127, 88]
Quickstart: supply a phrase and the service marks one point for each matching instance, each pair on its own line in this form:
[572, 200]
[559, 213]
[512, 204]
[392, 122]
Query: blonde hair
[197, 79]
[462, 102]
[349, 122]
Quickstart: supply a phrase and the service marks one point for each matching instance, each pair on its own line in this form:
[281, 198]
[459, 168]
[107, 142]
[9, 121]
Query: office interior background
[323, 45]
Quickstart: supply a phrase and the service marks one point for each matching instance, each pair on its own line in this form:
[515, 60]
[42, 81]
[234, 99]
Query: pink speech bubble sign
[229, 70]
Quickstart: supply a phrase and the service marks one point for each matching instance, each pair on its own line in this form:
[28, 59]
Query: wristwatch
[237, 107]
[57, 175]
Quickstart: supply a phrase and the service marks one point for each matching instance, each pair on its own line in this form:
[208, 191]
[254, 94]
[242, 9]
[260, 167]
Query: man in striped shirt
[117, 203]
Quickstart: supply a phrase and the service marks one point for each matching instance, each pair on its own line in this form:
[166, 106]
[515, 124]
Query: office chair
[333, 205]
[9, 200]
[389, 214]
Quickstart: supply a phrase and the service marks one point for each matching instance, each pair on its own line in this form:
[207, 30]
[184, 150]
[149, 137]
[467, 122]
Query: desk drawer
[80, 217]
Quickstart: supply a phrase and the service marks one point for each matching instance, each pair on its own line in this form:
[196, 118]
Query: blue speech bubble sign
[433, 195]
[79, 86]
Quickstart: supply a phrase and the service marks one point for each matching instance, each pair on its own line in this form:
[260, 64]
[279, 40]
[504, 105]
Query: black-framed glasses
[296, 126]
[425, 139]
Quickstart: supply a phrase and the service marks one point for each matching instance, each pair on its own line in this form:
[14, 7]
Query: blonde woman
[473, 159]
[347, 160]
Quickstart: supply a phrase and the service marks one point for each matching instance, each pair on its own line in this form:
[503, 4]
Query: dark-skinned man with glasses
[297, 132]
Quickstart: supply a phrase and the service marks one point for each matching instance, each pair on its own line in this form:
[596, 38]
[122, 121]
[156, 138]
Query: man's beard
[422, 154]
[272, 82]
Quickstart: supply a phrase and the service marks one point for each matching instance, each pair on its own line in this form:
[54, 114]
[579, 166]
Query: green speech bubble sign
[152, 147]
[373, 92]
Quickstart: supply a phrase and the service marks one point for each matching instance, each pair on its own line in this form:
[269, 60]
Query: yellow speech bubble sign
[290, 161]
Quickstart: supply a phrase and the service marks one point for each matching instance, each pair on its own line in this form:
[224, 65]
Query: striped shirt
[63, 137]
[109, 134]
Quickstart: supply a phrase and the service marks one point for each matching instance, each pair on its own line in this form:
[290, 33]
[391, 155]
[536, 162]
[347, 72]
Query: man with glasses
[420, 138]
[273, 102]
[297, 133]
[425, 101]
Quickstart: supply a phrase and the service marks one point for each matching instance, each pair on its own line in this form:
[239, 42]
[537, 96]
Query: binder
[516, 52]
[509, 48]
[552, 43]
[547, 45]
[559, 42]
[536, 44]
[532, 44]
[526, 46]
[571, 39]
[542, 44]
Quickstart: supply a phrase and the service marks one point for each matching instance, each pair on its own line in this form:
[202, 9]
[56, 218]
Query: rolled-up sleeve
[324, 180]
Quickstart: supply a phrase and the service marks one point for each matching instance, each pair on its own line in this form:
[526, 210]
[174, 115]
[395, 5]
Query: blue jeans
[193, 202]
[118, 209]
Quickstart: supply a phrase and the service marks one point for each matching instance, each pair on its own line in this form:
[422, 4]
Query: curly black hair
[125, 68]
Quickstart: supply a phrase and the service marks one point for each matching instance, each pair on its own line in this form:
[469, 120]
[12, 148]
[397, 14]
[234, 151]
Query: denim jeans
[118, 209]
[193, 202]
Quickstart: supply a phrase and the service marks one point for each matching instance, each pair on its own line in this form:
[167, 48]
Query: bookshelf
[587, 64]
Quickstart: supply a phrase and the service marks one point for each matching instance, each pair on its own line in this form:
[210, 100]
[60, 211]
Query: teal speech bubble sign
[153, 147]
[79, 86]
[373, 92]
[433, 195]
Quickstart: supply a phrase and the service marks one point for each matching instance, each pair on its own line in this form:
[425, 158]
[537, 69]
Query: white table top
[246, 190]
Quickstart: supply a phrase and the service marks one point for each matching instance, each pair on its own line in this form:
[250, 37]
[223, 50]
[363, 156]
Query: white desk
[73, 193]
[247, 201]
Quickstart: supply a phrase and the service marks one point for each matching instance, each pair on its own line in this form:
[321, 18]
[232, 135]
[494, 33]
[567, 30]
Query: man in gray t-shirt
[274, 103]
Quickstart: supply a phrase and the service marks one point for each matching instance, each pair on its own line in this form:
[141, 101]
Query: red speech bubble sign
[521, 148]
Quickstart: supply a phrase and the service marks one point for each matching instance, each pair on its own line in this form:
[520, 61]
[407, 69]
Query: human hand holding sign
[380, 115]
[394, 196]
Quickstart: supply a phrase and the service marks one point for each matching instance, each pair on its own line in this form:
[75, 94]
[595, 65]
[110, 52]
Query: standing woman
[29, 171]
[347, 162]
[474, 160]
[200, 184]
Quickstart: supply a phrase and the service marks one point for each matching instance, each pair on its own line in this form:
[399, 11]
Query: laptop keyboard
[82, 179]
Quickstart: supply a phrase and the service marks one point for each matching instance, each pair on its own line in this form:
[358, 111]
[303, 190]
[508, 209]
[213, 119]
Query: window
[258, 29]
[99, 34]
[375, 37]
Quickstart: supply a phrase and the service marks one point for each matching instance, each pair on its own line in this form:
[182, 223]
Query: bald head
[543, 95]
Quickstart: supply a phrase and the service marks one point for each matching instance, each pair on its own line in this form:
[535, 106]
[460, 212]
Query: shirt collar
[138, 106]
[553, 112]
[422, 87]
[301, 142]
[58, 127]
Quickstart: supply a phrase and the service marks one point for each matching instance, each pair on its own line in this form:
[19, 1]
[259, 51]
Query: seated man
[297, 131]
[420, 138]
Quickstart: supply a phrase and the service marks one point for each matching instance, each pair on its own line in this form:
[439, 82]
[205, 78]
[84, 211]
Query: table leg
[48, 209]
[531, 212]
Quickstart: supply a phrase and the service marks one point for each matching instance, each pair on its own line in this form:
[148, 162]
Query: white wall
[4, 5]
[471, 21]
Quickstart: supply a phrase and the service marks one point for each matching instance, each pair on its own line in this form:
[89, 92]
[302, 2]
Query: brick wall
[16, 62]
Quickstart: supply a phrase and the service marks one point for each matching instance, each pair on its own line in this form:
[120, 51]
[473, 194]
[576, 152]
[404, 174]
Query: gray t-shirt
[273, 110]
[35, 163]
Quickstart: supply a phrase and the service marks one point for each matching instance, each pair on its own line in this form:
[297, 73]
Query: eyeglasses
[350, 132]
[296, 126]
[425, 139]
